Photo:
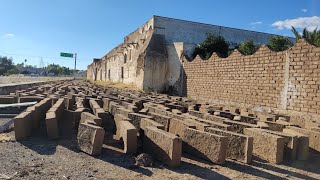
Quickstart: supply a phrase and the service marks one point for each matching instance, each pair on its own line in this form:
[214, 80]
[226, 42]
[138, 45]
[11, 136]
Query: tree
[30, 66]
[7, 67]
[212, 44]
[5, 64]
[52, 68]
[247, 47]
[20, 65]
[12, 71]
[280, 43]
[58, 70]
[313, 37]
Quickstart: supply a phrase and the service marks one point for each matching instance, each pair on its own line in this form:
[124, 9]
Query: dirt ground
[39, 158]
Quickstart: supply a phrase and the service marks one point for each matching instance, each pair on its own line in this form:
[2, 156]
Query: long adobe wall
[287, 80]
[124, 63]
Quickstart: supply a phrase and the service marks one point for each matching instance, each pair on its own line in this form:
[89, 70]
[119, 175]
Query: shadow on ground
[312, 165]
[258, 168]
[113, 154]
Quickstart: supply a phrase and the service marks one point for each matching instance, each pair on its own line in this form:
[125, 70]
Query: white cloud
[304, 10]
[8, 35]
[256, 23]
[302, 22]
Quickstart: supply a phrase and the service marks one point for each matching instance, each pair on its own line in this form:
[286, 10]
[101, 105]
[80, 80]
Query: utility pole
[47, 68]
[75, 65]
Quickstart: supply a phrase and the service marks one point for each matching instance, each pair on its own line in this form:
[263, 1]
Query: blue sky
[41, 29]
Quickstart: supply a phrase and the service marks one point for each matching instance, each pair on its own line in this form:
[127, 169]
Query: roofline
[140, 26]
[128, 35]
[218, 26]
[163, 17]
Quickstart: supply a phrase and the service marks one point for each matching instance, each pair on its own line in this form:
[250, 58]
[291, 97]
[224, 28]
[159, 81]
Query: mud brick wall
[256, 79]
[286, 80]
[304, 78]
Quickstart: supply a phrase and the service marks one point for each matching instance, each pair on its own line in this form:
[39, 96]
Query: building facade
[151, 57]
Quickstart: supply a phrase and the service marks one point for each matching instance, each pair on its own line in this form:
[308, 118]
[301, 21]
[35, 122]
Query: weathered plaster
[150, 57]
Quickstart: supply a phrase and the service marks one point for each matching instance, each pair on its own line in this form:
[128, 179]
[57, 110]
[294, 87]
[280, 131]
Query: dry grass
[116, 85]
[23, 79]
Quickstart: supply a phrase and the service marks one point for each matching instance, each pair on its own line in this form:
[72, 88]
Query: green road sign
[70, 55]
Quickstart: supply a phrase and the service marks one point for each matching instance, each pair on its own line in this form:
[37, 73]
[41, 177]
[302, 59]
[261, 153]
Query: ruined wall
[286, 80]
[92, 72]
[123, 63]
[174, 73]
[155, 65]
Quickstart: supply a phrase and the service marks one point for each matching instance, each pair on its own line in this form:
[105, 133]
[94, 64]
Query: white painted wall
[175, 52]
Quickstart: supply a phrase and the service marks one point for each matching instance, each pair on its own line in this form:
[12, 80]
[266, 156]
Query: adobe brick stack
[164, 146]
[239, 146]
[22, 126]
[53, 116]
[166, 127]
[90, 138]
[267, 146]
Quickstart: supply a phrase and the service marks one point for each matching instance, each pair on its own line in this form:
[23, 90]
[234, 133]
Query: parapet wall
[288, 80]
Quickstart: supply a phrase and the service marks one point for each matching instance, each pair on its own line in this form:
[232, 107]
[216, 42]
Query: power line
[30, 56]
[35, 59]
[36, 56]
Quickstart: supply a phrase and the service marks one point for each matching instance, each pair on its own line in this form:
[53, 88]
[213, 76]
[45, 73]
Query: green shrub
[12, 71]
[212, 44]
[247, 47]
[279, 43]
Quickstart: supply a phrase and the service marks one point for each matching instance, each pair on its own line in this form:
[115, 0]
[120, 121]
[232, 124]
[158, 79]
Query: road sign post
[63, 54]
[70, 55]
[75, 65]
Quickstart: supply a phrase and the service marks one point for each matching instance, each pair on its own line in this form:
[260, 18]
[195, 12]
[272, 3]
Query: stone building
[151, 57]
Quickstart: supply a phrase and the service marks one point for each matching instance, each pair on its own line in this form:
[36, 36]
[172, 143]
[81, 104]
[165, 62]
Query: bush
[212, 44]
[247, 47]
[12, 71]
[279, 43]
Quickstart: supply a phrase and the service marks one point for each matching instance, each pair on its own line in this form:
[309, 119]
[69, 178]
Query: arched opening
[130, 55]
[122, 73]
[125, 58]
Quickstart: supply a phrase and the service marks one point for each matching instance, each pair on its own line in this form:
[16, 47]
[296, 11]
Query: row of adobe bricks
[162, 126]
